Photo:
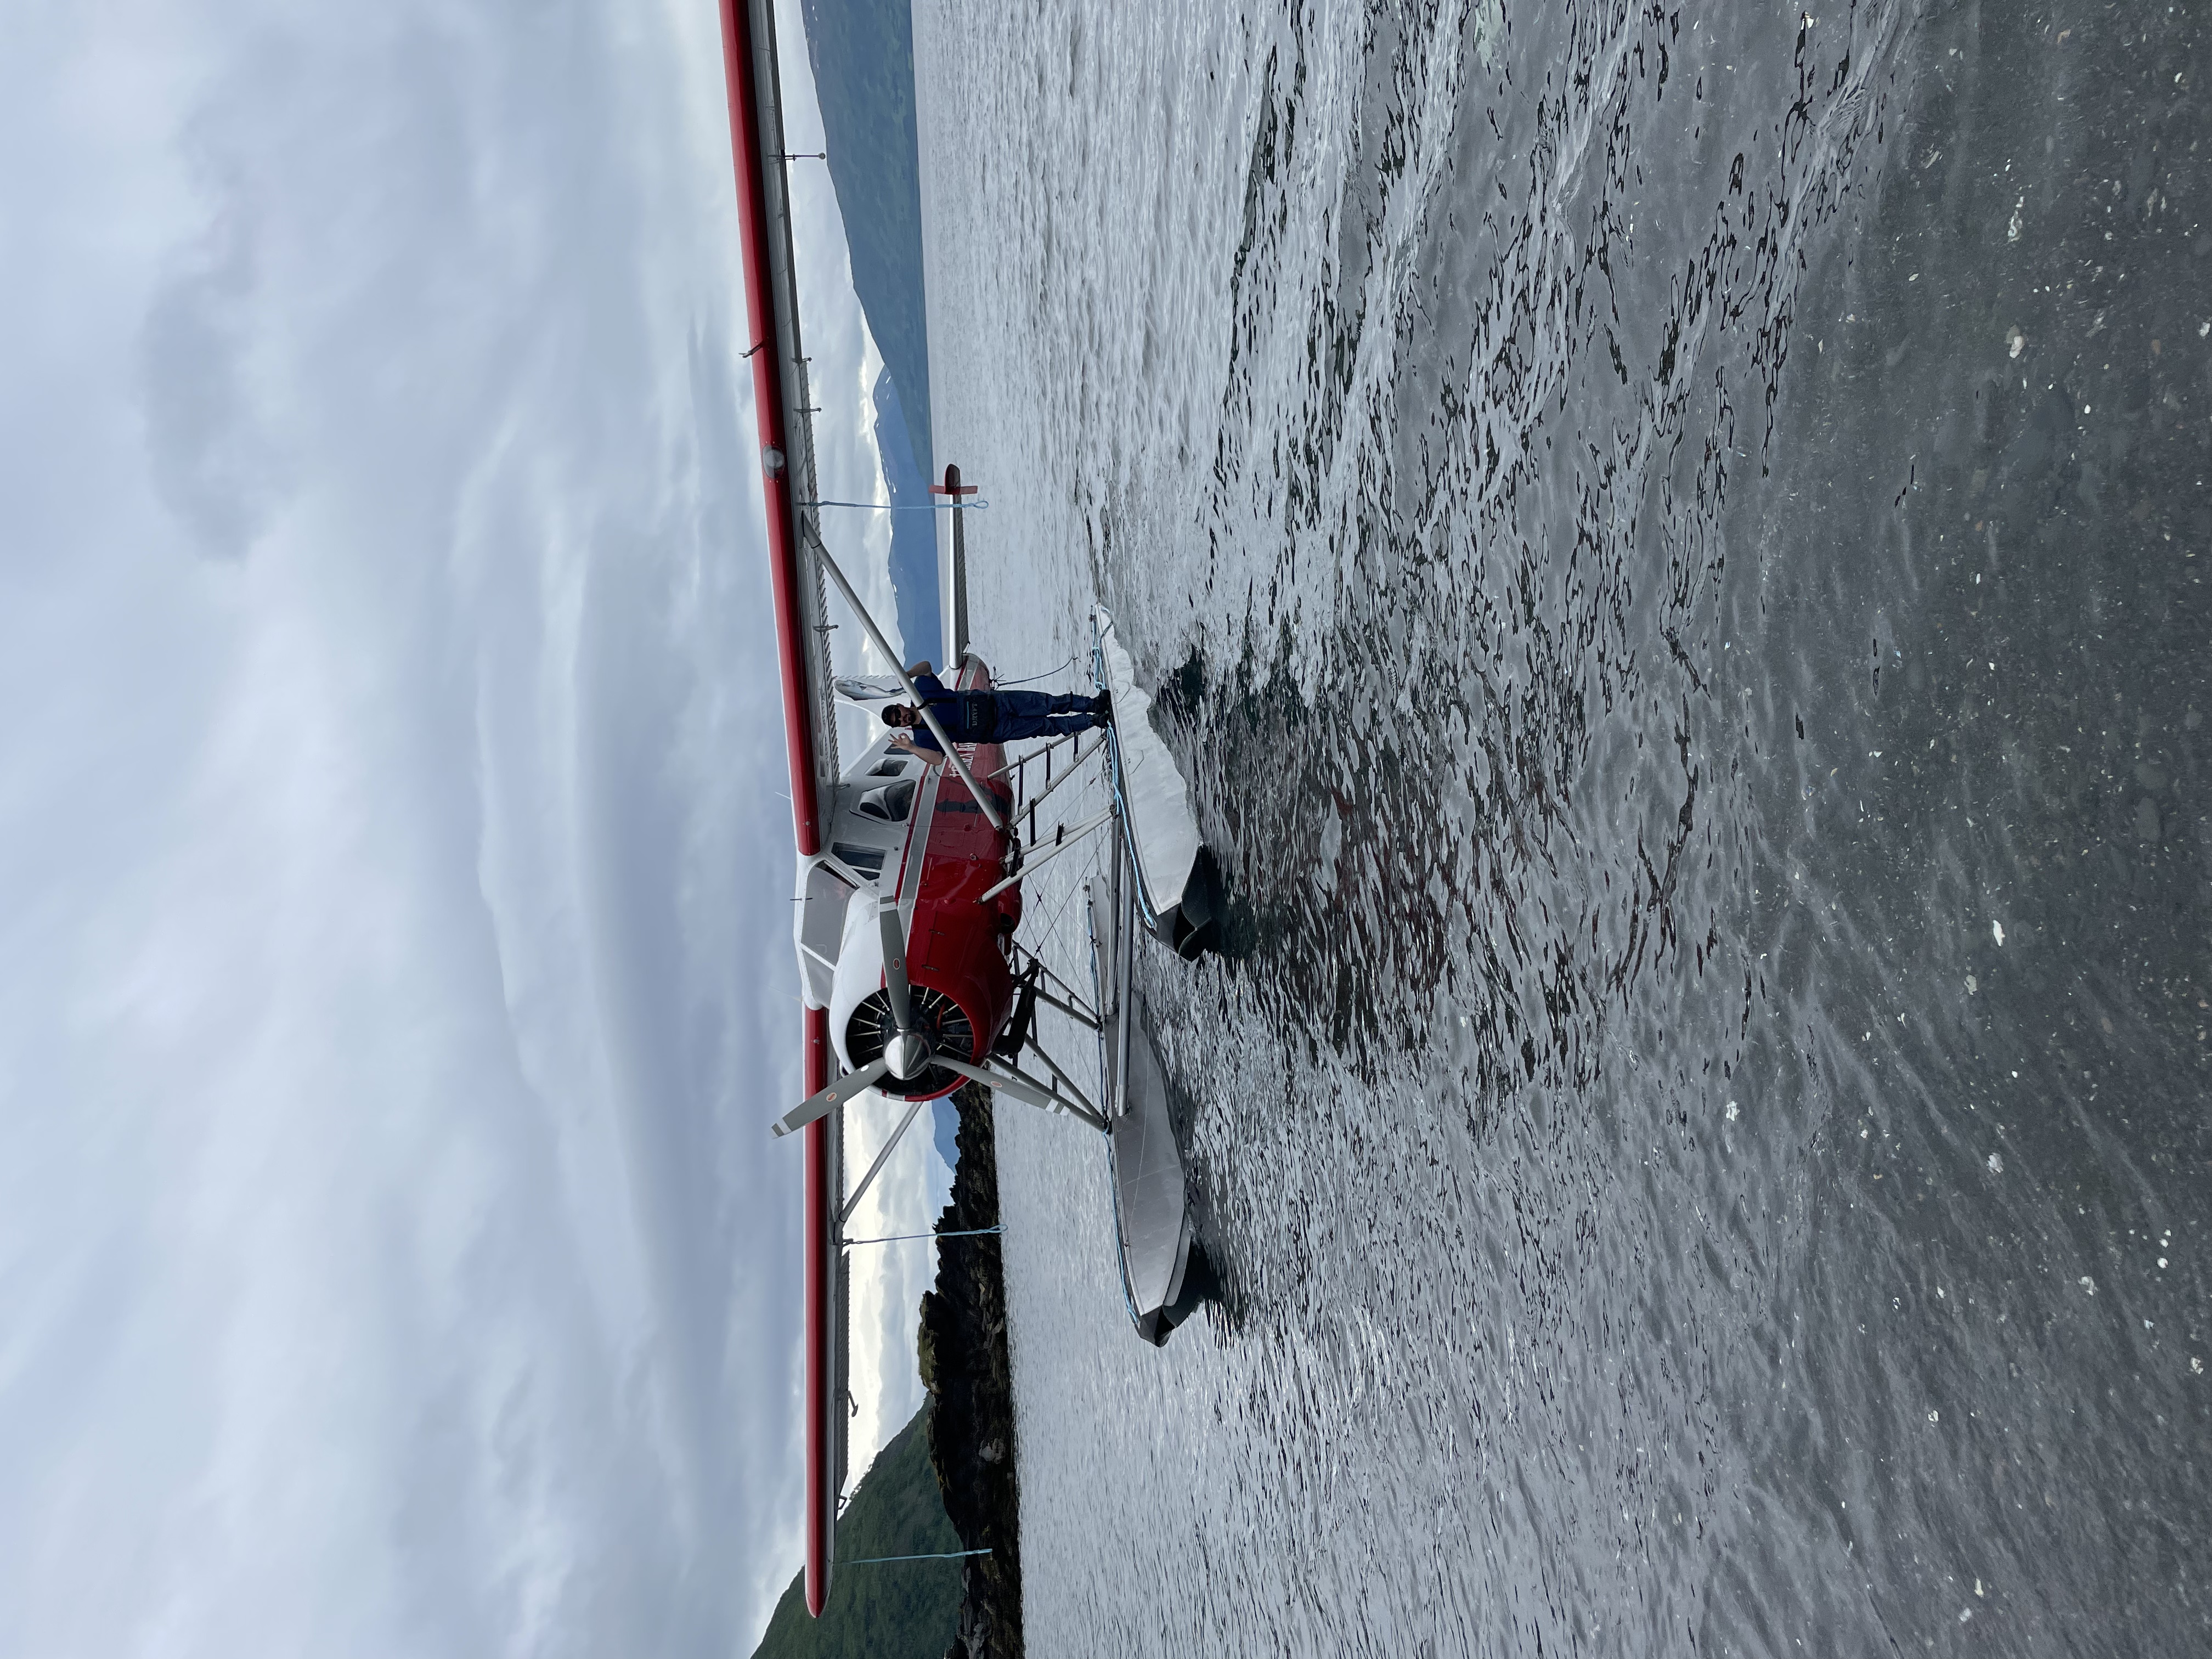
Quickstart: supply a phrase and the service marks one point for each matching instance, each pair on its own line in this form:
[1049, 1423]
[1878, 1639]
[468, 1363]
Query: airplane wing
[787, 463]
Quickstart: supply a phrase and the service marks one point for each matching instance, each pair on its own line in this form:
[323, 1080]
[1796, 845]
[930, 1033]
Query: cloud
[210, 462]
[395, 983]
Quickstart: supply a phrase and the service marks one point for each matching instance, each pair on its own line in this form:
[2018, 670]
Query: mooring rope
[1027, 679]
[979, 504]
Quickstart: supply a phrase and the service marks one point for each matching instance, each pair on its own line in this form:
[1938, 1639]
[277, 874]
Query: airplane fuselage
[903, 827]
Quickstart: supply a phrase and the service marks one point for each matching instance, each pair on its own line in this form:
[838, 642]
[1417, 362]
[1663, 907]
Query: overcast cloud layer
[397, 975]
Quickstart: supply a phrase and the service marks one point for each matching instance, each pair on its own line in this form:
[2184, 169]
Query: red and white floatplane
[909, 894]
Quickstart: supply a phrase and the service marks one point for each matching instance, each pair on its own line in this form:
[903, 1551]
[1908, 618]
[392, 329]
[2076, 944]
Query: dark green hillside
[894, 1610]
[967, 1369]
[862, 52]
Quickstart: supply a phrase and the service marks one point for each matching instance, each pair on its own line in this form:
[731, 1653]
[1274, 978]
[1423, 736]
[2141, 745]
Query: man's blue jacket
[966, 716]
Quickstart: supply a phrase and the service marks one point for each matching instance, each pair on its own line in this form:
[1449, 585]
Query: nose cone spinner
[907, 1054]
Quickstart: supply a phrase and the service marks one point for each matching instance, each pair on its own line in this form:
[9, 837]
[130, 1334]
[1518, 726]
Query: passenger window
[862, 860]
[889, 804]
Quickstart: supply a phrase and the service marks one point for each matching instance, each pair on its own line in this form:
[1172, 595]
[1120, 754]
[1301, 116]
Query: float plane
[907, 904]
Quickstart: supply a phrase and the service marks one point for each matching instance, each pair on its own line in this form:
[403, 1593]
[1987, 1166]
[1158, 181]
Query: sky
[396, 985]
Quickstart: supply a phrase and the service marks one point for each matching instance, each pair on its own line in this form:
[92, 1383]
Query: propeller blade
[895, 983]
[835, 1096]
[1012, 1085]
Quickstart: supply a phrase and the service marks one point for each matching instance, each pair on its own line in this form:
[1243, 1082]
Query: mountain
[944, 1126]
[887, 1609]
[862, 53]
[913, 533]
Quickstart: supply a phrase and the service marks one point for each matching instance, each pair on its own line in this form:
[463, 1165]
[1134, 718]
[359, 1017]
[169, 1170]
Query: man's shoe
[1102, 706]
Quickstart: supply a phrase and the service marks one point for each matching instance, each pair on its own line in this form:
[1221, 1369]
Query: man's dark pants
[1044, 714]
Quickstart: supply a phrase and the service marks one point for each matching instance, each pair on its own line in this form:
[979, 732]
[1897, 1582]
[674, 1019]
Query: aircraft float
[908, 897]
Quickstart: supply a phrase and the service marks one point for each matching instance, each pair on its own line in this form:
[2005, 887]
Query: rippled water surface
[1673, 542]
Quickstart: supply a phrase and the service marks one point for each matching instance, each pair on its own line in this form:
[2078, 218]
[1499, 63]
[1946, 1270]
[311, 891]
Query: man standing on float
[988, 716]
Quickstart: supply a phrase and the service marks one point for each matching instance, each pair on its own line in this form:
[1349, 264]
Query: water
[1674, 546]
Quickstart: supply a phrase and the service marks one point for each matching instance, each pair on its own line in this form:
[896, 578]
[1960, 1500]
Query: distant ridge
[862, 54]
[914, 535]
[886, 1610]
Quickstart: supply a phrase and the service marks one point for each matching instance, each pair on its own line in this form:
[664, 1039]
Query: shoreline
[965, 1367]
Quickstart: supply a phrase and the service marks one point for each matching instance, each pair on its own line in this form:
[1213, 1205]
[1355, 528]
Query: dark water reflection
[1690, 629]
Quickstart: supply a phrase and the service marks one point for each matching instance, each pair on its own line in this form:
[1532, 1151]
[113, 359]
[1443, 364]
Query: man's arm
[915, 670]
[932, 755]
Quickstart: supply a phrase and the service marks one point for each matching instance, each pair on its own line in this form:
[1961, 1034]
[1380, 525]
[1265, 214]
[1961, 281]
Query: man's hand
[929, 756]
[918, 670]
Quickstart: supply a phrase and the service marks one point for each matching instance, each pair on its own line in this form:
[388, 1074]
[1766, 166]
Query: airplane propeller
[908, 1054]
[904, 1057]
[1018, 1087]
